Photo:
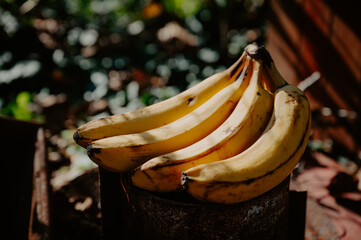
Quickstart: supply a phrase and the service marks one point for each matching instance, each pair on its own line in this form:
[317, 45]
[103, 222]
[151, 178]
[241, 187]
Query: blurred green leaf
[21, 110]
[182, 8]
[18, 108]
[146, 98]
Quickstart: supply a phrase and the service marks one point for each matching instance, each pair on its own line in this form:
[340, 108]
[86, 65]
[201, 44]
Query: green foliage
[89, 50]
[19, 107]
[182, 8]
[146, 98]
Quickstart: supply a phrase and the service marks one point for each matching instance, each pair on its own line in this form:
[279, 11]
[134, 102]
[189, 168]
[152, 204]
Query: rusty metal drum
[177, 215]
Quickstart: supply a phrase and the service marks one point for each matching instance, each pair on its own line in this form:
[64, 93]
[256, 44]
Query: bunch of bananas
[228, 139]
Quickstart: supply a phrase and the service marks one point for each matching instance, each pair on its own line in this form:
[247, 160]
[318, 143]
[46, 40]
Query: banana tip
[83, 142]
[76, 136]
[91, 150]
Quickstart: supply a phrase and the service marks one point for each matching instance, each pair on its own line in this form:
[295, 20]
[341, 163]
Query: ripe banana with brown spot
[161, 113]
[237, 133]
[126, 152]
[268, 161]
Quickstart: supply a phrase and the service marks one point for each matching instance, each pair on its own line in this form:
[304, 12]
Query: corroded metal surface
[179, 216]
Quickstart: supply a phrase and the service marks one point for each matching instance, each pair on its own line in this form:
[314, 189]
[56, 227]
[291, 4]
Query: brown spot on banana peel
[189, 100]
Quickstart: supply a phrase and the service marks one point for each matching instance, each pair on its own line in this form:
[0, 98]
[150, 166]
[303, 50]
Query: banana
[126, 152]
[237, 133]
[269, 160]
[161, 113]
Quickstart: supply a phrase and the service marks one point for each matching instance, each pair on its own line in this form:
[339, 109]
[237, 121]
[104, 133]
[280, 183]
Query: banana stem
[260, 53]
[278, 80]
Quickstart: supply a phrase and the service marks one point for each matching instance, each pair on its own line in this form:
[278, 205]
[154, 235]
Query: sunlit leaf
[19, 107]
[182, 8]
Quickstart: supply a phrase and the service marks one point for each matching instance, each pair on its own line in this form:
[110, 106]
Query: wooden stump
[142, 214]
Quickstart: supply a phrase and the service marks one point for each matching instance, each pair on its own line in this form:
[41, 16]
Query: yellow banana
[126, 152]
[238, 132]
[161, 113]
[268, 161]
